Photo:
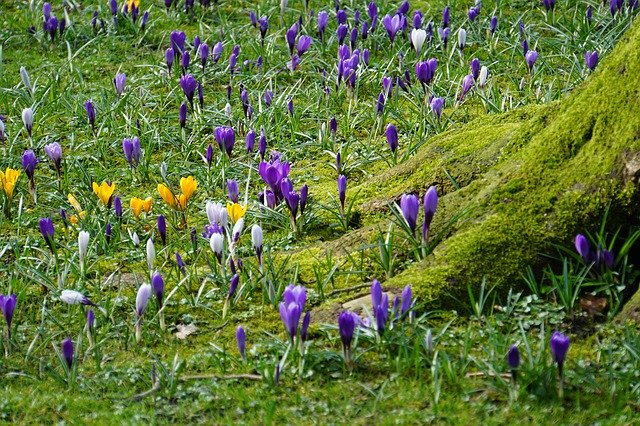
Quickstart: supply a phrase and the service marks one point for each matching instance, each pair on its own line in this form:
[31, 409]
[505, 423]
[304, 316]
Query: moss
[532, 177]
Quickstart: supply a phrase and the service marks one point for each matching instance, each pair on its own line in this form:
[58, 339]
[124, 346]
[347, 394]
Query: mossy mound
[530, 178]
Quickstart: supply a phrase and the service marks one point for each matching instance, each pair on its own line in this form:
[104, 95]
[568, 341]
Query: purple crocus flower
[392, 137]
[589, 14]
[346, 327]
[253, 18]
[203, 51]
[119, 82]
[290, 315]
[91, 113]
[162, 229]
[128, 149]
[232, 187]
[341, 33]
[380, 104]
[144, 20]
[67, 352]
[559, 348]
[436, 106]
[208, 155]
[107, 232]
[8, 306]
[185, 61]
[475, 68]
[290, 106]
[530, 58]
[169, 56]
[262, 144]
[52, 26]
[549, 4]
[291, 35]
[157, 284]
[241, 340]
[292, 200]
[117, 207]
[341, 17]
[226, 138]
[29, 163]
[342, 190]
[372, 11]
[445, 17]
[178, 39]
[46, 10]
[582, 247]
[189, 86]
[91, 319]
[591, 59]
[467, 84]
[380, 305]
[323, 19]
[250, 141]
[305, 327]
[392, 25]
[233, 285]
[268, 97]
[216, 52]
[493, 24]
[353, 37]
[406, 300]
[333, 126]
[473, 13]
[182, 114]
[303, 44]
[304, 193]
[180, 264]
[409, 206]
[417, 19]
[430, 206]
[263, 22]
[513, 359]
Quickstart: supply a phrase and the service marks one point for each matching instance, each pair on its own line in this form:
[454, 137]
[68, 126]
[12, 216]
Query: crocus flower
[142, 299]
[162, 228]
[475, 68]
[185, 61]
[493, 24]
[8, 178]
[341, 33]
[582, 247]
[436, 106]
[119, 82]
[482, 77]
[305, 327]
[290, 315]
[241, 340]
[226, 138]
[91, 113]
[83, 245]
[157, 284]
[216, 52]
[462, 38]
[203, 51]
[392, 25]
[181, 264]
[138, 205]
[445, 17]
[409, 206]
[29, 163]
[182, 115]
[47, 230]
[392, 137]
[346, 327]
[549, 4]
[443, 33]
[473, 13]
[559, 348]
[372, 11]
[290, 36]
[303, 44]
[216, 242]
[342, 190]
[406, 300]
[418, 37]
[2, 134]
[27, 119]
[591, 59]
[67, 352]
[104, 191]
[73, 297]
[530, 58]
[189, 85]
[178, 39]
[323, 19]
[467, 84]
[256, 240]
[513, 358]
[169, 57]
[233, 191]
[8, 306]
[430, 204]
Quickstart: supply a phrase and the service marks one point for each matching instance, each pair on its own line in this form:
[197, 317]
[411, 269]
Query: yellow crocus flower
[235, 211]
[188, 186]
[104, 191]
[138, 204]
[167, 195]
[76, 205]
[8, 180]
[130, 3]
[182, 201]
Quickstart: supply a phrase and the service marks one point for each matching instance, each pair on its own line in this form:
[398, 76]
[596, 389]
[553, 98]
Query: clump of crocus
[188, 186]
[139, 205]
[380, 306]
[8, 306]
[104, 191]
[347, 322]
[241, 340]
[142, 300]
[559, 348]
[132, 151]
